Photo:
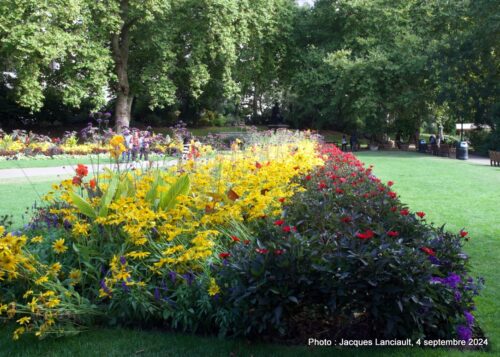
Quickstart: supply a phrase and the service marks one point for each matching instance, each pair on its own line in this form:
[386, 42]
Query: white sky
[303, 2]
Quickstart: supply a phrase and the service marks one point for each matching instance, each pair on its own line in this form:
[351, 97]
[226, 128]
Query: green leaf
[108, 196]
[83, 206]
[168, 199]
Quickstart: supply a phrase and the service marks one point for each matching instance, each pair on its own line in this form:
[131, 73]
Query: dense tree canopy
[374, 66]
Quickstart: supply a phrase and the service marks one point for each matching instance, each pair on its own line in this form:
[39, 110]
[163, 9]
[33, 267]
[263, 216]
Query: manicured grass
[49, 162]
[68, 161]
[458, 193]
[18, 195]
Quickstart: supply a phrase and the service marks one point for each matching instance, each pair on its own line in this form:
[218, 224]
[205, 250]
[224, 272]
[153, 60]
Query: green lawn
[458, 193]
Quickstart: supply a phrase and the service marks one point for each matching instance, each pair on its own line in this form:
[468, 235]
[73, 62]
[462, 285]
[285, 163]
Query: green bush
[347, 260]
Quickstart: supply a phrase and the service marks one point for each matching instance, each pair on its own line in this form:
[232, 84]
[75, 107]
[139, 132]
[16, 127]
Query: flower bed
[273, 240]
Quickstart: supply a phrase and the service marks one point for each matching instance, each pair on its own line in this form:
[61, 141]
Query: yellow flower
[24, 320]
[75, 275]
[55, 268]
[81, 229]
[37, 239]
[214, 288]
[53, 302]
[18, 332]
[138, 255]
[59, 246]
[41, 280]
[27, 294]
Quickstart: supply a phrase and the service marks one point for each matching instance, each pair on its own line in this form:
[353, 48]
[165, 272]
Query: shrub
[359, 265]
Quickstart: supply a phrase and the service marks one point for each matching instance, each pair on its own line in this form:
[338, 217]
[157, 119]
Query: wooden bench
[494, 158]
[444, 150]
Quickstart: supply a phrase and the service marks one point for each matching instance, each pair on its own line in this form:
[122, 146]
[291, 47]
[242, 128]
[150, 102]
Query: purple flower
[458, 296]
[434, 260]
[105, 287]
[189, 278]
[125, 288]
[453, 280]
[469, 318]
[173, 276]
[436, 279]
[123, 260]
[157, 294]
[464, 333]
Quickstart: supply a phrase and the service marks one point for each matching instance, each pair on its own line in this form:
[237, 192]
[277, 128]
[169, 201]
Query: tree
[158, 49]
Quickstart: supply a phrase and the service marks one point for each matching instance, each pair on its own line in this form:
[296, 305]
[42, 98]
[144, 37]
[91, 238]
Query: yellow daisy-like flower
[41, 280]
[24, 320]
[75, 274]
[214, 288]
[138, 255]
[59, 246]
[37, 239]
[53, 303]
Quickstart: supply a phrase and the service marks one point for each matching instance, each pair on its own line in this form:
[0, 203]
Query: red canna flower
[77, 181]
[92, 183]
[393, 233]
[235, 239]
[82, 170]
[279, 251]
[308, 178]
[463, 233]
[261, 251]
[428, 251]
[404, 212]
[390, 183]
[286, 229]
[420, 214]
[368, 234]
[258, 165]
[392, 194]
[279, 222]
[224, 255]
[282, 199]
[346, 219]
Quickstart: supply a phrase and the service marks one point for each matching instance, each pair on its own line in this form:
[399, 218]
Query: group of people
[137, 144]
[353, 141]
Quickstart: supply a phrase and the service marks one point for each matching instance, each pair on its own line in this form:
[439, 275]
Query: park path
[69, 170]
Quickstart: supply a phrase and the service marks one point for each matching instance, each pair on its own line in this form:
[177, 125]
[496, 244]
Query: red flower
[390, 183]
[286, 229]
[224, 255]
[308, 178]
[279, 251]
[321, 185]
[339, 191]
[394, 208]
[279, 222]
[420, 214]
[235, 239]
[246, 241]
[82, 170]
[77, 181]
[392, 233]
[346, 219]
[258, 165]
[428, 251]
[463, 233]
[261, 251]
[392, 194]
[92, 183]
[368, 234]
[404, 212]
[282, 199]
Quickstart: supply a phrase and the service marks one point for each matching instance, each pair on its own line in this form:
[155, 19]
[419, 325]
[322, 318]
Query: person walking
[145, 142]
[344, 143]
[127, 136]
[135, 145]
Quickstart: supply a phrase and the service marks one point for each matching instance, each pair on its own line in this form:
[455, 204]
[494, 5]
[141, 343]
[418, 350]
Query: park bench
[444, 150]
[494, 158]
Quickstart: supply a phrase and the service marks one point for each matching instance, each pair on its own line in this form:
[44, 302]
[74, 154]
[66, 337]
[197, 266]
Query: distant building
[470, 127]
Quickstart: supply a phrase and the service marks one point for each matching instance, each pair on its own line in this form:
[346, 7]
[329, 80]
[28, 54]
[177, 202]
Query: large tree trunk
[120, 46]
